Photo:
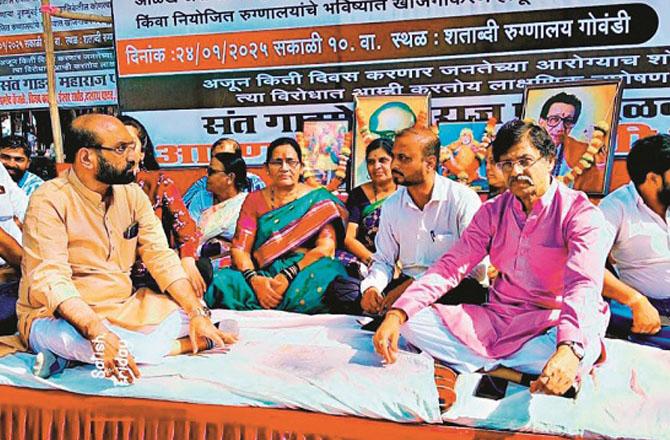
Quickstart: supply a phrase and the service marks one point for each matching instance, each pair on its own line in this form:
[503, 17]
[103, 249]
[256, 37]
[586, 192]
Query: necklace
[272, 198]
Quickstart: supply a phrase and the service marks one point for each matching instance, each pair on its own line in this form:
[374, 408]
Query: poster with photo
[573, 114]
[323, 143]
[382, 116]
[462, 156]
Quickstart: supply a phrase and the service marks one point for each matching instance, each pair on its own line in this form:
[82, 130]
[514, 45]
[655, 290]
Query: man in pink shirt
[545, 314]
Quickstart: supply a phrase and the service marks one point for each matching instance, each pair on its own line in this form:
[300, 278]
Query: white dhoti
[427, 332]
[147, 347]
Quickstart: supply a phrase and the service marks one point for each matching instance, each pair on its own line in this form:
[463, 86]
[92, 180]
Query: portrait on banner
[323, 140]
[462, 153]
[383, 116]
[581, 117]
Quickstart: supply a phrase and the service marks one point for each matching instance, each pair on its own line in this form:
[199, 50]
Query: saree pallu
[217, 225]
[367, 229]
[279, 234]
[366, 233]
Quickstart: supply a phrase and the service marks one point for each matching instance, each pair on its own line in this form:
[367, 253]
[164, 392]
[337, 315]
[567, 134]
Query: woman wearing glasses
[284, 243]
[179, 227]
[227, 181]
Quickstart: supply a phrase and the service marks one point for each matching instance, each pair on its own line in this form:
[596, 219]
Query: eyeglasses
[120, 149]
[553, 120]
[524, 162]
[211, 171]
[278, 163]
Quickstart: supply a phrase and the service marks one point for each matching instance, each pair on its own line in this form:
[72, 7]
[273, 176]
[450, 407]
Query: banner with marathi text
[85, 64]
[197, 71]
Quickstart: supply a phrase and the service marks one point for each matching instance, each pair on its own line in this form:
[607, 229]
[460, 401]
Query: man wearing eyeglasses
[81, 236]
[545, 315]
[558, 116]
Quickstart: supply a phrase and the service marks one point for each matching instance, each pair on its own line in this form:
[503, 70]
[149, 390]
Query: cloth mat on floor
[321, 363]
[628, 396]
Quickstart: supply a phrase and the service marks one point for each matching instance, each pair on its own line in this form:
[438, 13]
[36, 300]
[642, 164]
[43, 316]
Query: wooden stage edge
[35, 414]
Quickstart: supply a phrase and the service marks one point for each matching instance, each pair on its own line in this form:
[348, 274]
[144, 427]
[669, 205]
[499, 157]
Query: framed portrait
[581, 118]
[382, 116]
[324, 140]
[462, 156]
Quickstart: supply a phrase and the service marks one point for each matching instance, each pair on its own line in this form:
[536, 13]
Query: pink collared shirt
[551, 266]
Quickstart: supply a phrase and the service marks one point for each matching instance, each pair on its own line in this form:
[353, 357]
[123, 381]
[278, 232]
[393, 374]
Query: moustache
[397, 173]
[525, 179]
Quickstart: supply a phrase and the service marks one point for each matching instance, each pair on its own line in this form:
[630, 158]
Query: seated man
[419, 222]
[13, 203]
[637, 218]
[81, 236]
[15, 156]
[198, 198]
[545, 313]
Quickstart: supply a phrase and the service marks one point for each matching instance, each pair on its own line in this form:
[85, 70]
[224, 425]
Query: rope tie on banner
[49, 9]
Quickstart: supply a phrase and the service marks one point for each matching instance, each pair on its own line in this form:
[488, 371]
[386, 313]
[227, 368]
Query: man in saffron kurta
[545, 313]
[81, 236]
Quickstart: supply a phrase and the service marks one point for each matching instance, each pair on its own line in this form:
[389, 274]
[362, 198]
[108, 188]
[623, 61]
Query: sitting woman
[226, 180]
[284, 243]
[179, 227]
[364, 205]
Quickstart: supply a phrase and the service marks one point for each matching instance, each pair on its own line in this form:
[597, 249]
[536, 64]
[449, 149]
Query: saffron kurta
[77, 244]
[551, 267]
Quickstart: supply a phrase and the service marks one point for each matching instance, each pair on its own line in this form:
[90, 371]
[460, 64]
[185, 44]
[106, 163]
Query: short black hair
[226, 139]
[283, 141]
[431, 143]
[233, 163]
[77, 138]
[650, 154]
[514, 131]
[14, 142]
[149, 161]
[383, 143]
[564, 98]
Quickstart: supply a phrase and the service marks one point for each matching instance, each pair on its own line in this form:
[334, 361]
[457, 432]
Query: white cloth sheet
[626, 397]
[321, 363]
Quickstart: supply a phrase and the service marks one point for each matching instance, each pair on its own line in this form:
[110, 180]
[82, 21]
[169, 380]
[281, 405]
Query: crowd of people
[111, 252]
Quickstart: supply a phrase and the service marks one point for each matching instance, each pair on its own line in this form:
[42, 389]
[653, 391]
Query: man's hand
[263, 287]
[199, 286]
[558, 374]
[117, 360]
[394, 294]
[201, 327]
[385, 339]
[371, 302]
[646, 319]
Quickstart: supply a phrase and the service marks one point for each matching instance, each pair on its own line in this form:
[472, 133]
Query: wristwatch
[576, 348]
[200, 311]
